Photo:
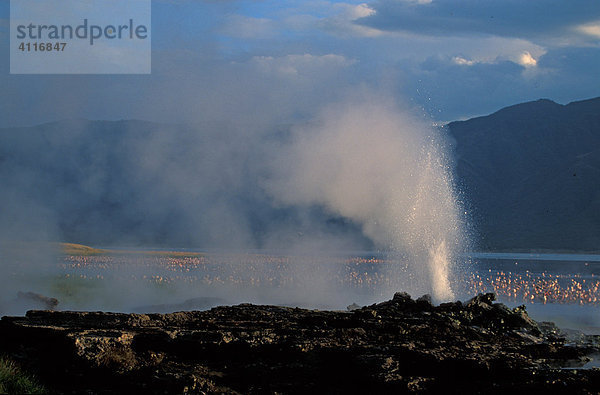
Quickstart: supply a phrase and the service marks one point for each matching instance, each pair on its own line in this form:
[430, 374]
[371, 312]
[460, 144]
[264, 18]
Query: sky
[276, 61]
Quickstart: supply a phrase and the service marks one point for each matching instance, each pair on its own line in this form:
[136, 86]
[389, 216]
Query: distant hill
[137, 183]
[531, 173]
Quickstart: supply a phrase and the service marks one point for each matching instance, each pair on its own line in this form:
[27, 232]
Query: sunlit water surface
[562, 288]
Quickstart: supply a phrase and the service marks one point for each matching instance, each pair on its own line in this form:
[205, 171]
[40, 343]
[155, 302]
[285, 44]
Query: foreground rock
[201, 303]
[401, 345]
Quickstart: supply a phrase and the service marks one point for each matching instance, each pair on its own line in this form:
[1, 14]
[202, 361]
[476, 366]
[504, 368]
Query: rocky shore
[398, 346]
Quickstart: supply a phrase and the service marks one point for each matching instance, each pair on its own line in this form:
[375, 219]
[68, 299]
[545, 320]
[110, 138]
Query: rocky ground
[401, 345]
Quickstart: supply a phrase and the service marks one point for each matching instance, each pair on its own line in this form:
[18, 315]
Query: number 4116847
[42, 47]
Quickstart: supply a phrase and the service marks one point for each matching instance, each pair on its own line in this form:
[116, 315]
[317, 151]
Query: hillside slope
[532, 175]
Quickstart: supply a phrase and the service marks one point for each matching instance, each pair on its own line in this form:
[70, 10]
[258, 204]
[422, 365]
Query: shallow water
[563, 291]
[570, 284]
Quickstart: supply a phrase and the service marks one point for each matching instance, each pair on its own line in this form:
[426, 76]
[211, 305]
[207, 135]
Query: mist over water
[376, 166]
[389, 172]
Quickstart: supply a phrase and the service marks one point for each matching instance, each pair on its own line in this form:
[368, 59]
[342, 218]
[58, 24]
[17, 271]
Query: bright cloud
[590, 29]
[360, 11]
[527, 60]
[524, 59]
[462, 61]
[343, 22]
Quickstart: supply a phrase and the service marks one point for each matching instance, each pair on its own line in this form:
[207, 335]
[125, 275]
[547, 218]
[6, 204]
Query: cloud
[283, 59]
[301, 65]
[527, 60]
[241, 26]
[492, 50]
[590, 29]
[524, 59]
[343, 18]
[184, 87]
[462, 61]
[509, 18]
[358, 11]
[301, 18]
[451, 87]
[459, 86]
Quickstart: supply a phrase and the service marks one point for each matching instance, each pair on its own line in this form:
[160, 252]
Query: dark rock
[424, 302]
[36, 301]
[200, 303]
[520, 319]
[396, 346]
[353, 307]
[402, 297]
[482, 300]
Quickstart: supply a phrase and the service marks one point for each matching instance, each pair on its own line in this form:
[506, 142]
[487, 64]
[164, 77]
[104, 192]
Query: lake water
[570, 283]
[564, 288]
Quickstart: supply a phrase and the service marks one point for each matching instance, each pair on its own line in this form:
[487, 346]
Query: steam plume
[388, 171]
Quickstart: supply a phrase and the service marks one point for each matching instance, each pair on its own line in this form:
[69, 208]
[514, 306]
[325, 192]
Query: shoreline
[400, 345]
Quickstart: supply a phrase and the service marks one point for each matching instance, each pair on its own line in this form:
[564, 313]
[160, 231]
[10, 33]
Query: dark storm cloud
[509, 18]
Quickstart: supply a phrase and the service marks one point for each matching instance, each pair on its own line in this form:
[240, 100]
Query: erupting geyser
[389, 172]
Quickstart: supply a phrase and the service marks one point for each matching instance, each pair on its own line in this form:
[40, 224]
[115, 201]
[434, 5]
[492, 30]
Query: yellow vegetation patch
[80, 249]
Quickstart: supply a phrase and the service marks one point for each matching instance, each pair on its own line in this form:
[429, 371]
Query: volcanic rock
[398, 346]
[199, 303]
[35, 300]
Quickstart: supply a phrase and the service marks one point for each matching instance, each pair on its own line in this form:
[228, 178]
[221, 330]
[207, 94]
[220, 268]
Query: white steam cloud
[308, 193]
[388, 171]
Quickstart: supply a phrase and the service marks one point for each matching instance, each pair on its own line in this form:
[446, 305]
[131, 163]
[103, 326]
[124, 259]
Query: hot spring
[391, 173]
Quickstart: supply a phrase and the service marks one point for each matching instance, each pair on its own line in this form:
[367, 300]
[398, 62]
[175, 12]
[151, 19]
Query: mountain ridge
[530, 174]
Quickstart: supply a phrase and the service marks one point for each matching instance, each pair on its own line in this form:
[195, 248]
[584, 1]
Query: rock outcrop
[35, 300]
[401, 345]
